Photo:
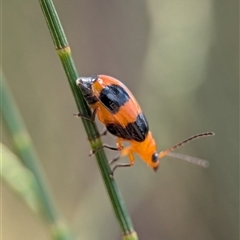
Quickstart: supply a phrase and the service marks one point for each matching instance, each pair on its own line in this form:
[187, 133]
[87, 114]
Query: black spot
[118, 130]
[113, 97]
[139, 129]
[136, 131]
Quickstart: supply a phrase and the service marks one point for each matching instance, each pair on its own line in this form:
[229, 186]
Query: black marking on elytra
[118, 130]
[113, 97]
[136, 131]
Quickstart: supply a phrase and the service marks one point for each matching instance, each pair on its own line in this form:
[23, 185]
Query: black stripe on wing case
[113, 97]
[136, 131]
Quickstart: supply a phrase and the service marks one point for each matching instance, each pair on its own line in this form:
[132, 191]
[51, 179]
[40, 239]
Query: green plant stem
[27, 153]
[64, 52]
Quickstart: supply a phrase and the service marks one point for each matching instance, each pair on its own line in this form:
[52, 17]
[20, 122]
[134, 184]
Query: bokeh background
[180, 59]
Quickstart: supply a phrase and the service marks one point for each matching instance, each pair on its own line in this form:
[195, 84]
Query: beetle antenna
[190, 159]
[187, 158]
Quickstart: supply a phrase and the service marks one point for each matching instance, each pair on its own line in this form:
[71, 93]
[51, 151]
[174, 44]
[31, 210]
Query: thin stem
[28, 155]
[64, 52]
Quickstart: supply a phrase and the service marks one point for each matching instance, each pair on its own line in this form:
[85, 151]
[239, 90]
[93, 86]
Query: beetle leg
[114, 160]
[119, 147]
[92, 118]
[126, 151]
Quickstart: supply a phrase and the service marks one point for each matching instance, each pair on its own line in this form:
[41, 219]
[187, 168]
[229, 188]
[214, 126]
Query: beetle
[116, 107]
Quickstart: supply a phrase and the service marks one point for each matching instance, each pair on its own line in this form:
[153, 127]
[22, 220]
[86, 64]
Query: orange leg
[119, 147]
[125, 152]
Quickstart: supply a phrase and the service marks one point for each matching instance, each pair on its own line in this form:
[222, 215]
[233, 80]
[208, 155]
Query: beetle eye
[155, 157]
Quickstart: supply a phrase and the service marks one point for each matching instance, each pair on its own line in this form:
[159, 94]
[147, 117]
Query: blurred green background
[180, 59]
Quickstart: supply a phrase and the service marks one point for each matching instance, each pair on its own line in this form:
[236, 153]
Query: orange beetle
[116, 107]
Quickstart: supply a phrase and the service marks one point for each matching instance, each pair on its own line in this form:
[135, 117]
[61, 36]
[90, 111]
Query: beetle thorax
[146, 149]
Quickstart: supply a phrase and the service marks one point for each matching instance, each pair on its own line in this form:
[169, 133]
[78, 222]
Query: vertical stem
[64, 52]
[28, 155]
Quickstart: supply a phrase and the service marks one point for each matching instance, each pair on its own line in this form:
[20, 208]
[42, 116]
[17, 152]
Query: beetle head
[85, 84]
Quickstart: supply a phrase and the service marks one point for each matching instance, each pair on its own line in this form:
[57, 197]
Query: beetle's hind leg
[114, 159]
[126, 151]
